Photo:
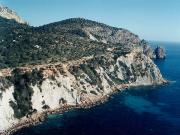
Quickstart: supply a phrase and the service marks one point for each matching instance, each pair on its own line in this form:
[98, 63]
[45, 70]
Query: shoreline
[38, 118]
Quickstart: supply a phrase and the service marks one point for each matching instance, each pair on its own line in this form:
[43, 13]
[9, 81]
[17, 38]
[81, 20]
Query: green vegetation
[62, 101]
[23, 91]
[83, 91]
[0, 95]
[5, 83]
[21, 44]
[93, 92]
[45, 107]
[93, 75]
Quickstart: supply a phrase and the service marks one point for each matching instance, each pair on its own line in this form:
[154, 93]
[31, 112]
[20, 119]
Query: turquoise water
[137, 111]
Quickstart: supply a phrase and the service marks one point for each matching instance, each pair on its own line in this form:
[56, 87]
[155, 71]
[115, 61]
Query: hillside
[61, 41]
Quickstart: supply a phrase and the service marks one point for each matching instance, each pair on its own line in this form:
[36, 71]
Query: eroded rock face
[72, 83]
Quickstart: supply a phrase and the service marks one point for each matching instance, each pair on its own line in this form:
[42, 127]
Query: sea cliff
[28, 92]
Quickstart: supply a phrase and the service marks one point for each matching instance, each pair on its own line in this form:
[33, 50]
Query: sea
[152, 110]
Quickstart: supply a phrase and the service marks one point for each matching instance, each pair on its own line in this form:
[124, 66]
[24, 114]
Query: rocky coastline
[74, 63]
[37, 118]
[40, 117]
[86, 101]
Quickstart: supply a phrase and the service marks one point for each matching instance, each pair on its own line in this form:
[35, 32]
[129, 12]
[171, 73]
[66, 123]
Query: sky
[150, 19]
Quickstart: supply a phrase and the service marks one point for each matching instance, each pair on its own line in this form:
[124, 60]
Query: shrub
[93, 92]
[90, 71]
[23, 91]
[83, 91]
[45, 107]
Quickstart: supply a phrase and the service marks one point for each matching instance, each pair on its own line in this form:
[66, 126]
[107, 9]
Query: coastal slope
[28, 91]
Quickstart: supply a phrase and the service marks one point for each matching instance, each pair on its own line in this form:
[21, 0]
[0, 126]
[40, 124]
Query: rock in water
[160, 53]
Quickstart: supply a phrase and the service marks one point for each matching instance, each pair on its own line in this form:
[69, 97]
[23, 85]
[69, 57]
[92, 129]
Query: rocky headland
[75, 63]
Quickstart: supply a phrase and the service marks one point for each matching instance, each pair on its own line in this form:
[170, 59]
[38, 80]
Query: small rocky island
[160, 53]
[69, 64]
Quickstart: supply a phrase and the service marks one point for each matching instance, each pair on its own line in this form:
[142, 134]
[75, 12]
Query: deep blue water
[137, 111]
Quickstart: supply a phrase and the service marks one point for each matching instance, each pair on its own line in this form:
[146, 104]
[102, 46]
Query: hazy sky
[150, 19]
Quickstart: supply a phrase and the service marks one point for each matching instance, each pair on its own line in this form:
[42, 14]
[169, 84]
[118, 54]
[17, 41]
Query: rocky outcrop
[108, 35]
[157, 53]
[160, 53]
[7, 13]
[34, 90]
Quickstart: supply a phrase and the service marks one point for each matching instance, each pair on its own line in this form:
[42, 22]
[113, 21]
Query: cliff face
[32, 90]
